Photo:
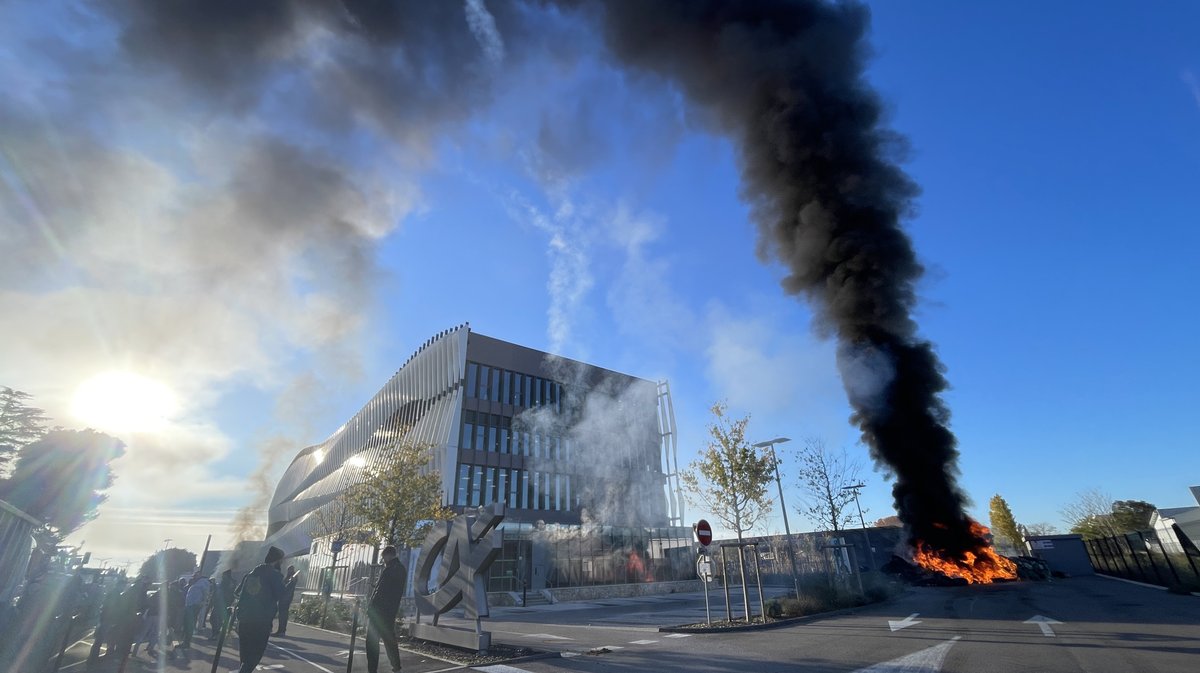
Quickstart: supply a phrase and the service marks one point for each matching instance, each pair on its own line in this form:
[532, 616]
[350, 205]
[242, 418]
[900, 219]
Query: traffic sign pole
[704, 564]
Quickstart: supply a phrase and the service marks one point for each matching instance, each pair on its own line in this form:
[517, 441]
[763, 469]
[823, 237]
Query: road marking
[679, 635]
[343, 653]
[896, 625]
[546, 636]
[610, 647]
[499, 668]
[567, 655]
[925, 661]
[642, 642]
[314, 665]
[1043, 624]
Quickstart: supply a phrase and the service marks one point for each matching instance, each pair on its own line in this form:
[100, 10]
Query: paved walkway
[304, 650]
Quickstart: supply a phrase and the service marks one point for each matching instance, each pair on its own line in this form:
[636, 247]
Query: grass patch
[818, 594]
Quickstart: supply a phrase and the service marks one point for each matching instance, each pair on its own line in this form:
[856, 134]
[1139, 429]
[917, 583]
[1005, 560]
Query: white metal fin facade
[421, 404]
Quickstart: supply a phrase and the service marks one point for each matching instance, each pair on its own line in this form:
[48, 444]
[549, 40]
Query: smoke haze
[286, 229]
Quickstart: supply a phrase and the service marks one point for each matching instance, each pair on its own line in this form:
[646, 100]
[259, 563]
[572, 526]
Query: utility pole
[866, 536]
[786, 528]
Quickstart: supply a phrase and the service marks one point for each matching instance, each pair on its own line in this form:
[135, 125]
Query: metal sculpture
[455, 558]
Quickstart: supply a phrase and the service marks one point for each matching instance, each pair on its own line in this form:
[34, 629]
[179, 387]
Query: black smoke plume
[784, 79]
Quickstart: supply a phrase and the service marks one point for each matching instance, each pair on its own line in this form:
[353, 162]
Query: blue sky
[1057, 149]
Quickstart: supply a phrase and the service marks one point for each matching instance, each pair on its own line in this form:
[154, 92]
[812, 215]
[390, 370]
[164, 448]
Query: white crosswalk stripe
[499, 668]
[679, 635]
[642, 642]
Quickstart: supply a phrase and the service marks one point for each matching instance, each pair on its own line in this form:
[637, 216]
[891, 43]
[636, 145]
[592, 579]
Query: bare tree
[823, 473]
[1090, 514]
[336, 519]
[1041, 528]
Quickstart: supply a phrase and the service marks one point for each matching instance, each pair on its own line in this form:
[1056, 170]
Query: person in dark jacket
[382, 609]
[257, 605]
[285, 602]
[222, 599]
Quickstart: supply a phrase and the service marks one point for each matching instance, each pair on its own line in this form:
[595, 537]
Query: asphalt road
[1092, 625]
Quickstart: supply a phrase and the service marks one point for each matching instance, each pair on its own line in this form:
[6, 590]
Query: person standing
[285, 602]
[193, 602]
[222, 600]
[382, 609]
[257, 604]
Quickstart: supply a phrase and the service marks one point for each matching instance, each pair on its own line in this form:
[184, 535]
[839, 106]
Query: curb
[779, 623]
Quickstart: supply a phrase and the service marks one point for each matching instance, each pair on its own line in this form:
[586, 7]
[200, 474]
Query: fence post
[1128, 573]
[1138, 561]
[1164, 553]
[1091, 552]
[1108, 565]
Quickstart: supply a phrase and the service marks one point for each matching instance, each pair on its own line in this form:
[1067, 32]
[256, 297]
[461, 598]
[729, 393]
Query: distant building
[583, 457]
[1186, 518]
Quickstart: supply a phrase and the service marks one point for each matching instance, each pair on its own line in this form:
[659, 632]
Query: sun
[123, 402]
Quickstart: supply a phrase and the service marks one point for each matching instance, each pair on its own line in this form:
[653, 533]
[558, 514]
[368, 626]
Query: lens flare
[124, 402]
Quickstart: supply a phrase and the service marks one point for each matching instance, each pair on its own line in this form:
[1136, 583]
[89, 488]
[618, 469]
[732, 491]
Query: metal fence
[1144, 556]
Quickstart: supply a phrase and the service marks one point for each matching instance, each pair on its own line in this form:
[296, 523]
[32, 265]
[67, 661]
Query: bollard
[62, 649]
[353, 634]
[222, 634]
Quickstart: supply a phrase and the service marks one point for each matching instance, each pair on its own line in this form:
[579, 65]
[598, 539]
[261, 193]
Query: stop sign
[703, 532]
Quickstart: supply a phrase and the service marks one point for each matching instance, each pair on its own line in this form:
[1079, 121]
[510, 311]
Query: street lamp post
[786, 528]
[866, 536]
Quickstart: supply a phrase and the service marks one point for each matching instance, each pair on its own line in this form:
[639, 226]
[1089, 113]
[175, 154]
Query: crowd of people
[160, 620]
[165, 618]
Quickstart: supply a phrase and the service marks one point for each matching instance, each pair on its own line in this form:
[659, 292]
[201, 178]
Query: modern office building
[583, 458]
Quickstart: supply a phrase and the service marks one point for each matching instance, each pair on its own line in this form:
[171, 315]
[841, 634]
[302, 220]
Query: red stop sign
[703, 532]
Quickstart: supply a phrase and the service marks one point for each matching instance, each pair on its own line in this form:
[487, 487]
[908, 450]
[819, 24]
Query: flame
[981, 565]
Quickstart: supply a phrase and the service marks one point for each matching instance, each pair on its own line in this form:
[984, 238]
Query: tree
[892, 521]
[1041, 528]
[1094, 514]
[168, 565]
[396, 502]
[20, 424]
[1003, 523]
[730, 479]
[336, 519]
[61, 478]
[1132, 515]
[823, 474]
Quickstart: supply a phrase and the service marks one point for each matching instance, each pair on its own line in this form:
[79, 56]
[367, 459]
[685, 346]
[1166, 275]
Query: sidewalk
[304, 650]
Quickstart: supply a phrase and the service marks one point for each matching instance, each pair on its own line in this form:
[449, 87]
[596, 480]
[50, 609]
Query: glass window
[492, 440]
[534, 487]
[537, 445]
[526, 400]
[495, 384]
[552, 394]
[486, 494]
[567, 492]
[503, 440]
[472, 378]
[485, 373]
[557, 493]
[476, 477]
[513, 483]
[505, 387]
[501, 485]
[464, 478]
[480, 437]
[468, 432]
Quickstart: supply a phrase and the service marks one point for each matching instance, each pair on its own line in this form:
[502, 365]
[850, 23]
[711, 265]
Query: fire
[979, 566]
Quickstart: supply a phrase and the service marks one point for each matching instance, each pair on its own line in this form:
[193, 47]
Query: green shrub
[308, 610]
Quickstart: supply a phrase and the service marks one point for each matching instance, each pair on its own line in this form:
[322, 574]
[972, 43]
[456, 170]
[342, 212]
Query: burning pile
[981, 565]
